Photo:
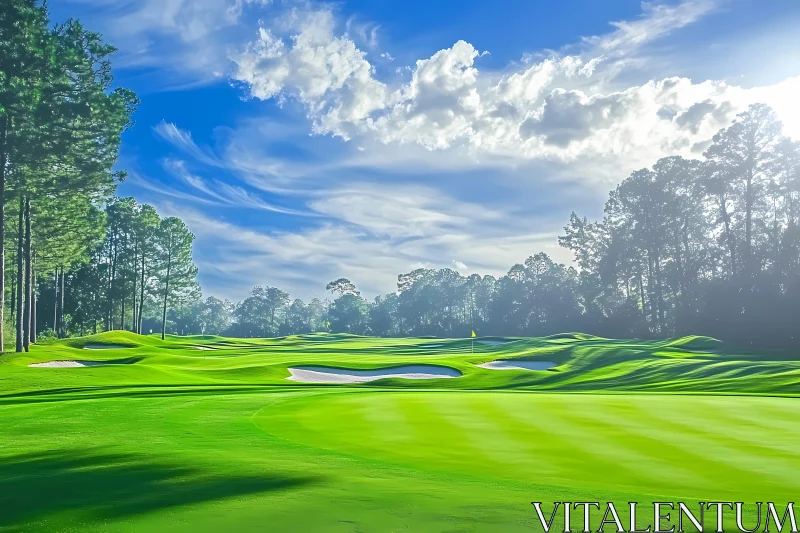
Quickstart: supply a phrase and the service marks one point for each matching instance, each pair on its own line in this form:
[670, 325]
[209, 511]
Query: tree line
[708, 246]
[61, 125]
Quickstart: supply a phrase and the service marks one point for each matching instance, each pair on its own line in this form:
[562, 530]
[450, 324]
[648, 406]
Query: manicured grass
[218, 440]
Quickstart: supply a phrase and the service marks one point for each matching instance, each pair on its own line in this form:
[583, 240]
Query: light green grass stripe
[551, 443]
[597, 449]
[760, 435]
[652, 457]
[688, 429]
[483, 431]
[389, 423]
[714, 458]
[441, 440]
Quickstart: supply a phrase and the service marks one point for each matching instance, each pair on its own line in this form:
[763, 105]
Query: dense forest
[61, 126]
[708, 246]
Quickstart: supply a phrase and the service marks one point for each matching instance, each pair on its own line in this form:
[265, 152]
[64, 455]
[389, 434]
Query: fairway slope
[570, 362]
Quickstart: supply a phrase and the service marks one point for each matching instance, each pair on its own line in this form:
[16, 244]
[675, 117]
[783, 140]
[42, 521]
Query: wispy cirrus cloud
[226, 194]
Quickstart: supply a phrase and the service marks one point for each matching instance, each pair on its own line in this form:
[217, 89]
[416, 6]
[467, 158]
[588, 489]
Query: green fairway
[174, 438]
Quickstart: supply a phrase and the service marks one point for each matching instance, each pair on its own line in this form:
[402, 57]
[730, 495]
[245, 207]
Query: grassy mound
[111, 338]
[573, 337]
[695, 343]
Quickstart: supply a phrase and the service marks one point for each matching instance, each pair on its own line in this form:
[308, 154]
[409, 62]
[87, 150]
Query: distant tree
[744, 155]
[342, 286]
[349, 313]
[262, 311]
[175, 271]
[215, 315]
[297, 319]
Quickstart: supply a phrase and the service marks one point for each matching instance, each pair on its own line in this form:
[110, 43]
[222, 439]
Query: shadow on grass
[97, 486]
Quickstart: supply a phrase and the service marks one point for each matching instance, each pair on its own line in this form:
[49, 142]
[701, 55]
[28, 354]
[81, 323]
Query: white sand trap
[105, 347]
[74, 364]
[518, 365]
[320, 374]
[204, 348]
[430, 345]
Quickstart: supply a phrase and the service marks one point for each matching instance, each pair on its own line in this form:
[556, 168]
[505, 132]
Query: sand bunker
[76, 364]
[321, 374]
[430, 345]
[518, 365]
[204, 348]
[105, 346]
[492, 342]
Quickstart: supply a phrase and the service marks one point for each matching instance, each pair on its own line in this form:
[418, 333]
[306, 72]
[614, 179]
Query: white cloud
[657, 20]
[173, 43]
[326, 73]
[370, 245]
[561, 107]
[399, 211]
[182, 140]
[216, 192]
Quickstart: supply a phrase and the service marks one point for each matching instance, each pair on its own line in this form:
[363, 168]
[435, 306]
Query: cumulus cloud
[328, 74]
[563, 106]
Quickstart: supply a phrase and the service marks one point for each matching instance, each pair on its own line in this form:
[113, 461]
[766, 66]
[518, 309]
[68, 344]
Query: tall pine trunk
[13, 306]
[26, 337]
[96, 318]
[61, 322]
[662, 326]
[20, 273]
[112, 276]
[32, 336]
[726, 218]
[3, 159]
[166, 290]
[34, 300]
[748, 224]
[55, 302]
[141, 296]
[134, 276]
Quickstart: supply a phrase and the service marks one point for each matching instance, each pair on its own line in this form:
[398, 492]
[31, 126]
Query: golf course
[334, 432]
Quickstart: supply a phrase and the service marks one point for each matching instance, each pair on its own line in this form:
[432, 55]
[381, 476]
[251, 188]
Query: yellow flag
[473, 333]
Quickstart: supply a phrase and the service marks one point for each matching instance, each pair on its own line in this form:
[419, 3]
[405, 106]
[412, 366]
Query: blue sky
[304, 141]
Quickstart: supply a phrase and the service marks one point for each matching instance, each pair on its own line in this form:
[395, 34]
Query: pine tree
[175, 270]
